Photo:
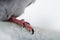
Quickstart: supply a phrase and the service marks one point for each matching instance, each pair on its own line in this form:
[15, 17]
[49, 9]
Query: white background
[44, 14]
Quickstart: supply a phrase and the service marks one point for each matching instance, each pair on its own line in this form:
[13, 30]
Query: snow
[11, 31]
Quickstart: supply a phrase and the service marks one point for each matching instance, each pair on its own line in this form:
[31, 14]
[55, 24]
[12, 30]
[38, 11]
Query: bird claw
[32, 31]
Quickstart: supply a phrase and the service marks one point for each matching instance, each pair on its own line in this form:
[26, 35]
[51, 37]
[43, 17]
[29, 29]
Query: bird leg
[23, 23]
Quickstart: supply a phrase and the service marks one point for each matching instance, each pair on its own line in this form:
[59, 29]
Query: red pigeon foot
[23, 23]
